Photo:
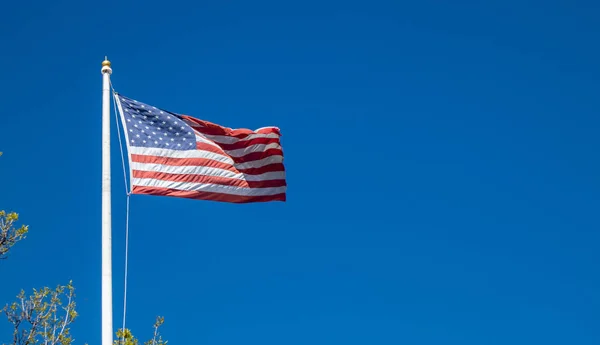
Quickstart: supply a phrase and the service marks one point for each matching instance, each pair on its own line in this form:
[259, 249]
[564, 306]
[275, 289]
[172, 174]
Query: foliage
[125, 337]
[43, 317]
[9, 234]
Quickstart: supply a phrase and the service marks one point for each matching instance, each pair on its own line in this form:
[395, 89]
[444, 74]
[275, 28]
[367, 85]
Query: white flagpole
[107, 326]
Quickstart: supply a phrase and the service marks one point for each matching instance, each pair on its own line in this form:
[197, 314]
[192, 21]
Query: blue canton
[148, 126]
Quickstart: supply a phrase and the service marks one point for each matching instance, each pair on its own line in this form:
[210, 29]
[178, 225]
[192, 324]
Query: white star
[143, 130]
[144, 141]
[131, 130]
[156, 142]
[184, 139]
[149, 137]
[171, 128]
[128, 120]
[145, 117]
[143, 106]
[163, 122]
[147, 127]
[168, 117]
[132, 141]
[151, 122]
[167, 144]
[137, 135]
[154, 133]
[161, 112]
[135, 126]
[176, 133]
[172, 139]
[182, 127]
[178, 144]
[133, 116]
[160, 138]
[190, 143]
[140, 121]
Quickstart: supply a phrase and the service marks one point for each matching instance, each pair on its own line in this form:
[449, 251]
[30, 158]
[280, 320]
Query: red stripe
[253, 156]
[264, 169]
[204, 162]
[214, 129]
[207, 195]
[246, 143]
[193, 178]
[211, 148]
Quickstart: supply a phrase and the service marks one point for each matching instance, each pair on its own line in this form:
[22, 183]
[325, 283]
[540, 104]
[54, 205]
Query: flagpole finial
[106, 66]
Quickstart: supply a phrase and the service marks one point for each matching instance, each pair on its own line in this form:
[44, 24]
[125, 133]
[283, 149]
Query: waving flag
[181, 156]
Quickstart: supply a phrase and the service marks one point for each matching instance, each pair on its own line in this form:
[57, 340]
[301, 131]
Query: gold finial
[106, 62]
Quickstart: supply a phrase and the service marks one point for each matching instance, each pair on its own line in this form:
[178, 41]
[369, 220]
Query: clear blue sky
[442, 162]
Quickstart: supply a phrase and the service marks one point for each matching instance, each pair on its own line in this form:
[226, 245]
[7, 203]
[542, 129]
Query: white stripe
[251, 149]
[195, 124]
[260, 163]
[243, 151]
[226, 139]
[200, 138]
[207, 171]
[223, 139]
[203, 187]
[196, 153]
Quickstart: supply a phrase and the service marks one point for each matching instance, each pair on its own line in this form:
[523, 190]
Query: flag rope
[126, 264]
[128, 194]
[120, 142]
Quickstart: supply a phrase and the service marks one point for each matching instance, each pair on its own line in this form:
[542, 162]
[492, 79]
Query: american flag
[181, 156]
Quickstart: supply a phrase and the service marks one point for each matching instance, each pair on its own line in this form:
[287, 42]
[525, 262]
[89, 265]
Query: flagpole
[107, 326]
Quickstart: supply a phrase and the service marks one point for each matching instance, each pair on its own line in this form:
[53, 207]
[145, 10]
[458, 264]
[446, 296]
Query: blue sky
[441, 159]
